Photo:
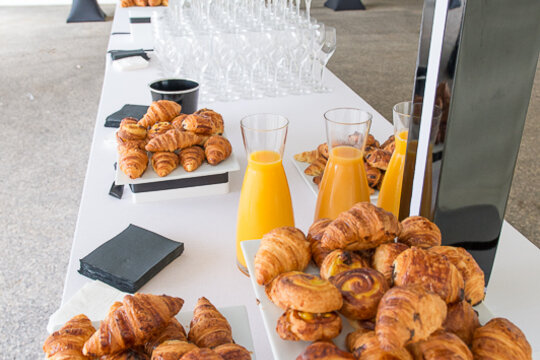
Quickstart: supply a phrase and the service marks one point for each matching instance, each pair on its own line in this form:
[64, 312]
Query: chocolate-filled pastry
[173, 331]
[129, 354]
[323, 150]
[314, 236]
[201, 354]
[172, 350]
[176, 123]
[384, 256]
[217, 119]
[370, 141]
[378, 158]
[304, 292]
[282, 249]
[130, 130]
[420, 232]
[373, 175]
[441, 345]
[217, 148]
[500, 339]
[307, 156]
[209, 328]
[389, 145]
[201, 125]
[316, 168]
[462, 320]
[191, 158]
[432, 271]
[469, 269]
[164, 162]
[364, 226]
[362, 289]
[324, 350]
[406, 315]
[339, 261]
[365, 345]
[134, 322]
[132, 161]
[233, 352]
[353, 336]
[296, 325]
[161, 110]
[173, 140]
[159, 128]
[67, 343]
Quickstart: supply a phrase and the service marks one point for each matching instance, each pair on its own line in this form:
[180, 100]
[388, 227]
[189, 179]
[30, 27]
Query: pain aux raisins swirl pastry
[339, 261]
[304, 292]
[362, 289]
[297, 325]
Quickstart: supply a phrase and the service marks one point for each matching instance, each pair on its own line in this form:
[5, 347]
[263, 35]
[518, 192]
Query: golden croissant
[217, 148]
[161, 110]
[172, 140]
[133, 323]
[462, 320]
[132, 161]
[469, 269]
[128, 3]
[191, 158]
[208, 327]
[316, 167]
[173, 331]
[365, 345]
[364, 226]
[500, 339]
[67, 343]
[217, 119]
[420, 232]
[164, 162]
[406, 315]
[307, 156]
[233, 352]
[282, 249]
[172, 350]
[441, 345]
[384, 256]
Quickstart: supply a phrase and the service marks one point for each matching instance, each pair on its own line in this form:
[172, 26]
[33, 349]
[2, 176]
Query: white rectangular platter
[287, 350]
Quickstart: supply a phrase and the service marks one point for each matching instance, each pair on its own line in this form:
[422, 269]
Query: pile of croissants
[376, 159]
[144, 327]
[407, 296]
[129, 3]
[172, 138]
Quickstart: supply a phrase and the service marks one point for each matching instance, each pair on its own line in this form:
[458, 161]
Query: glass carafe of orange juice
[344, 181]
[265, 200]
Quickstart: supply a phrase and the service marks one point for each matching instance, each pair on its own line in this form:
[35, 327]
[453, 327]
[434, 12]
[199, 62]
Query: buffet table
[207, 224]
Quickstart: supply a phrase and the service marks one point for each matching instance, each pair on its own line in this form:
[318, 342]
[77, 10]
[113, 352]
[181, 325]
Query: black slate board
[130, 259]
[129, 110]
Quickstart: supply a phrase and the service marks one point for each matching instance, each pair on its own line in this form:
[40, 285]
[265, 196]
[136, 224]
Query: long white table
[206, 225]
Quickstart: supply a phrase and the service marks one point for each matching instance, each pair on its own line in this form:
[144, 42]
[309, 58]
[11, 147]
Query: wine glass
[327, 50]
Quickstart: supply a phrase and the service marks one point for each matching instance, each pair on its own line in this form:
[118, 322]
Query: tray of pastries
[366, 286]
[146, 326]
[168, 145]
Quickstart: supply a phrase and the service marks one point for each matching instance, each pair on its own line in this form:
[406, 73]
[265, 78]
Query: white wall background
[45, 2]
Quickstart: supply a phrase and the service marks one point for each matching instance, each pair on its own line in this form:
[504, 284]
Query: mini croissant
[191, 158]
[67, 343]
[217, 148]
[316, 168]
[208, 327]
[173, 331]
[420, 232]
[307, 156]
[164, 162]
[161, 110]
[172, 140]
[132, 161]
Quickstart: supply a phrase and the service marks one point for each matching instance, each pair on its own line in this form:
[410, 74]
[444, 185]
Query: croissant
[217, 148]
[384, 256]
[141, 2]
[315, 233]
[377, 158]
[316, 168]
[469, 269]
[364, 226]
[67, 343]
[128, 3]
[462, 320]
[208, 327]
[217, 119]
[323, 150]
[362, 289]
[129, 354]
[161, 110]
[158, 129]
[172, 140]
[500, 339]
[191, 158]
[406, 315]
[373, 175]
[172, 350]
[295, 325]
[420, 232]
[365, 345]
[164, 162]
[132, 161]
[353, 336]
[233, 352]
[130, 130]
[430, 270]
[307, 156]
[339, 261]
[201, 354]
[323, 350]
[389, 145]
[282, 249]
[199, 124]
[173, 331]
[154, 2]
[441, 345]
[176, 123]
[133, 323]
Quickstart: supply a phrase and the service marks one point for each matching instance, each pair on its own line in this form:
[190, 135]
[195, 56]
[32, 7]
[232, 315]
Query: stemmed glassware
[323, 56]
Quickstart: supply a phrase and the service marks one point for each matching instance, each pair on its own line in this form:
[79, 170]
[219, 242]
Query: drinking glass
[344, 181]
[327, 50]
[265, 200]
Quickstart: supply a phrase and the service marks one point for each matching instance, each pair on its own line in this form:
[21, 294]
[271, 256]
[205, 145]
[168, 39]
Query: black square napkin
[129, 110]
[130, 259]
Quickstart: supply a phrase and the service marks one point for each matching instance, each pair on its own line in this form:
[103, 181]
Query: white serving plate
[301, 166]
[287, 350]
[228, 165]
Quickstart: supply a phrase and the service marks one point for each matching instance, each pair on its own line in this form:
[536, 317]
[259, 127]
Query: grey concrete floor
[51, 75]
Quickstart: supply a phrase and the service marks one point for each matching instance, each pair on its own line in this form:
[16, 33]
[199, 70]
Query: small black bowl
[182, 91]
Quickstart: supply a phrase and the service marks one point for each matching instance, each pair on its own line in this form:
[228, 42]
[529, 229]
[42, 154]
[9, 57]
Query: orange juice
[265, 201]
[390, 194]
[344, 182]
